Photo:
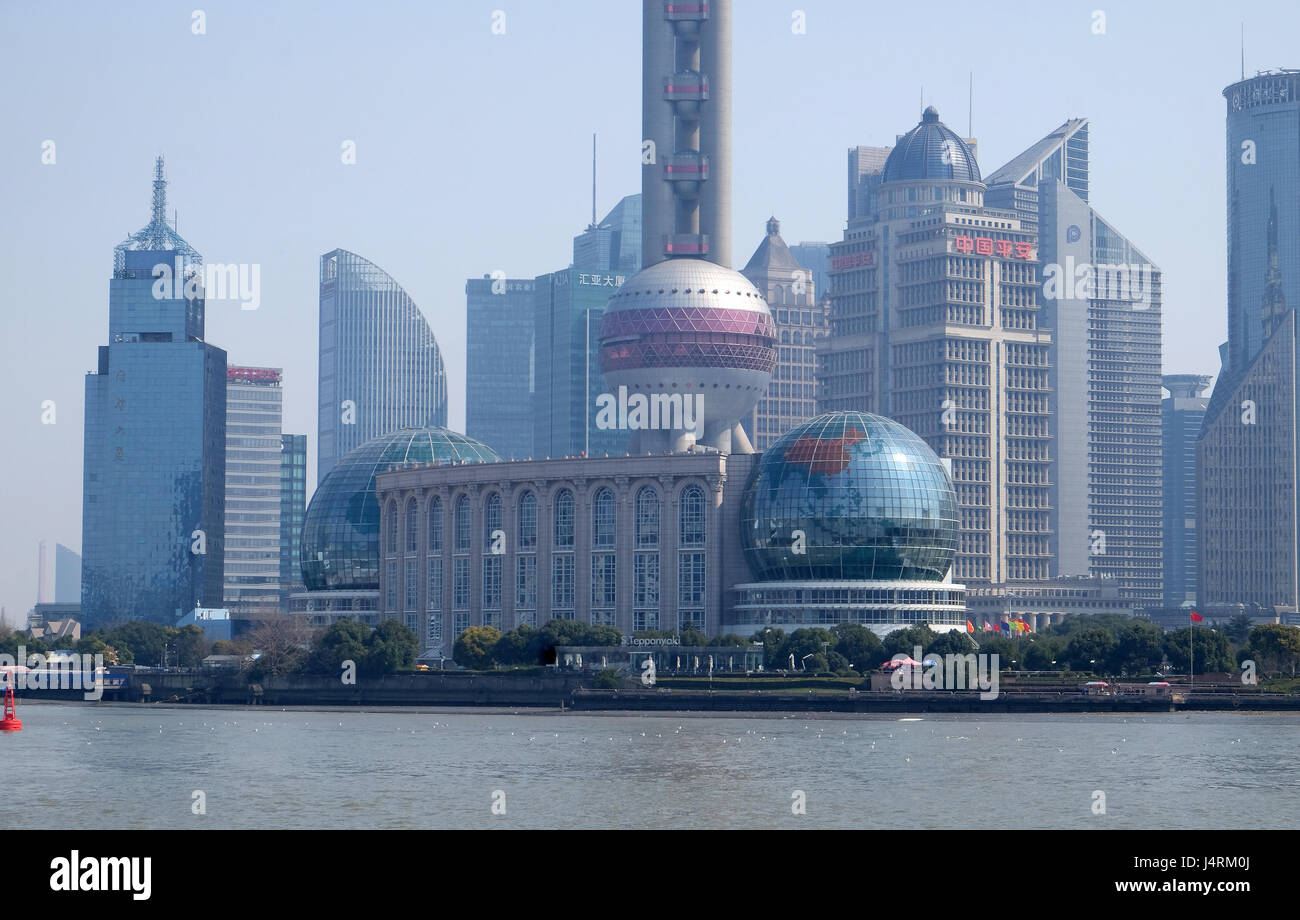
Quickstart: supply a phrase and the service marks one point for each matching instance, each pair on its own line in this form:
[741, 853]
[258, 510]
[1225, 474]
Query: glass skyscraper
[499, 330]
[380, 366]
[1247, 488]
[293, 508]
[568, 308]
[1100, 296]
[1181, 416]
[254, 405]
[153, 492]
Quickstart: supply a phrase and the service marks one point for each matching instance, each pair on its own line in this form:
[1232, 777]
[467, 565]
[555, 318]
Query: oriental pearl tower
[687, 324]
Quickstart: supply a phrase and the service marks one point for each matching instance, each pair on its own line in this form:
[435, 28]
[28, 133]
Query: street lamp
[804, 659]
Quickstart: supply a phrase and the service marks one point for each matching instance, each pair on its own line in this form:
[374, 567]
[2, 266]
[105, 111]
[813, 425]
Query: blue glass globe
[849, 496]
[340, 534]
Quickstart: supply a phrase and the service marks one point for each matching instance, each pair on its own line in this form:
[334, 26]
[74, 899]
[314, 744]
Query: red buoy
[11, 722]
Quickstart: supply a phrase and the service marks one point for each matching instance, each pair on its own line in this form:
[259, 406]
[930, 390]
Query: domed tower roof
[931, 150]
[340, 533]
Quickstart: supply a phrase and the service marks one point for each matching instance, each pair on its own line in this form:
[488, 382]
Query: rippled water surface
[84, 766]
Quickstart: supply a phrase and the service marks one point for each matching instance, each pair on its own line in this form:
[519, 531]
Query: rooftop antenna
[970, 110]
[593, 178]
[1243, 49]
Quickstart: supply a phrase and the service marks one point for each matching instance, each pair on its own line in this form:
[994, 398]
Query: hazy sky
[473, 154]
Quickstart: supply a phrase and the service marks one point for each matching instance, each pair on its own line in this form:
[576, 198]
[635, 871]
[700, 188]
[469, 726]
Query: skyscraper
[380, 367]
[567, 309]
[935, 323]
[791, 296]
[67, 575]
[1181, 416]
[254, 404]
[153, 494]
[499, 330]
[1247, 491]
[1101, 298]
[293, 508]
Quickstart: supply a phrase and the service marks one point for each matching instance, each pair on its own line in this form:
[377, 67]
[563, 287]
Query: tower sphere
[695, 328]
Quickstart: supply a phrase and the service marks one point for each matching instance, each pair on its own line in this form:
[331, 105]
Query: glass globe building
[850, 517]
[340, 535]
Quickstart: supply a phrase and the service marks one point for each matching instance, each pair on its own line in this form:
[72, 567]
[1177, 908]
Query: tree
[1089, 648]
[692, 636]
[1007, 650]
[859, 645]
[141, 641]
[1043, 653]
[474, 647]
[772, 640]
[1210, 649]
[191, 646]
[1275, 647]
[283, 644]
[606, 679]
[1139, 648]
[905, 641]
[390, 647]
[1238, 628]
[344, 640]
[807, 641]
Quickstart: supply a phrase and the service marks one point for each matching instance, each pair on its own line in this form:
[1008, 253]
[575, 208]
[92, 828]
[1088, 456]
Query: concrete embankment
[573, 690]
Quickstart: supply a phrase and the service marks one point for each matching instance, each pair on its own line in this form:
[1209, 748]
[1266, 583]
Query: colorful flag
[987, 626]
[1006, 627]
[1196, 617]
[970, 627]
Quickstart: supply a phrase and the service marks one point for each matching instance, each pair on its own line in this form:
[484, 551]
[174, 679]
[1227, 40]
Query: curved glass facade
[380, 366]
[849, 495]
[340, 536]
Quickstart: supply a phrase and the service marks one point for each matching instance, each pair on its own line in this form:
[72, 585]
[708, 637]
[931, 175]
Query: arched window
[412, 526]
[435, 526]
[692, 516]
[647, 518]
[564, 520]
[528, 521]
[390, 536]
[491, 518]
[602, 519]
[785, 336]
[462, 524]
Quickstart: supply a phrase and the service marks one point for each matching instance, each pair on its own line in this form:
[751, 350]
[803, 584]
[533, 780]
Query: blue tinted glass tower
[380, 367]
[293, 508]
[499, 364]
[154, 478]
[1247, 484]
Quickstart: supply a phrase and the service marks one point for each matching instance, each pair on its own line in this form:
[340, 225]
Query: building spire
[159, 192]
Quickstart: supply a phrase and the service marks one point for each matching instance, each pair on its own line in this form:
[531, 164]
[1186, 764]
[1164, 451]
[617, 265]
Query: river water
[79, 766]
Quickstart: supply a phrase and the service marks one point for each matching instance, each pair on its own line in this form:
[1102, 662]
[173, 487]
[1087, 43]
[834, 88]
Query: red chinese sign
[987, 246]
[853, 260]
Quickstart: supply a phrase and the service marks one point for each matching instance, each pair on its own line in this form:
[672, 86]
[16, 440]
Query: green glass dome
[340, 534]
[849, 496]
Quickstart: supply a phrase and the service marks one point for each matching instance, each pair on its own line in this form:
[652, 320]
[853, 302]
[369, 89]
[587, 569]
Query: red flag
[1196, 617]
[970, 627]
